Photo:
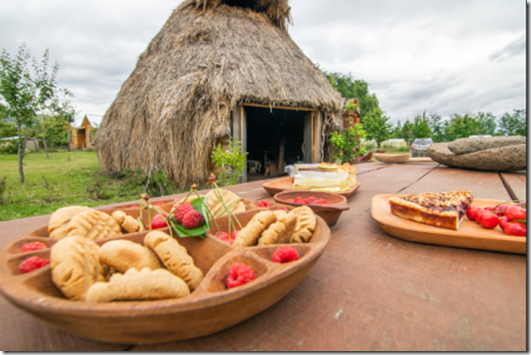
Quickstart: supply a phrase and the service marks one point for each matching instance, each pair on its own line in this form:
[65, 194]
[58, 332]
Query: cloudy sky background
[443, 56]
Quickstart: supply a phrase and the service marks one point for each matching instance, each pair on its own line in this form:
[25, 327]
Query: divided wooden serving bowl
[209, 309]
[329, 213]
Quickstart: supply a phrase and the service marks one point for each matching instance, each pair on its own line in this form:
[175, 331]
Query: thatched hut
[219, 68]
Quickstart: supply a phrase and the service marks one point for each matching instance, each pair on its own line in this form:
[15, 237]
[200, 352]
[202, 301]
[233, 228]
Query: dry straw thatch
[207, 59]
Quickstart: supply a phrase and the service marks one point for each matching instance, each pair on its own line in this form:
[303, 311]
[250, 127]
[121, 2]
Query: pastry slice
[446, 209]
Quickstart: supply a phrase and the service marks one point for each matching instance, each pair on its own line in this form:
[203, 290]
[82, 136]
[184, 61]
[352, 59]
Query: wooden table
[368, 292]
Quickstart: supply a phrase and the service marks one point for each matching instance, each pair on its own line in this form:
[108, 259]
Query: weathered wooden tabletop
[368, 292]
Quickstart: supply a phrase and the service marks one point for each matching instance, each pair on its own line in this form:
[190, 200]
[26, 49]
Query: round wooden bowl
[329, 213]
[392, 158]
[208, 309]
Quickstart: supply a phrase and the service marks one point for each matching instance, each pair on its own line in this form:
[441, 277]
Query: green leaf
[195, 232]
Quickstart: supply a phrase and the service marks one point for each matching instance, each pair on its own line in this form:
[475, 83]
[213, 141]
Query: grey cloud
[516, 47]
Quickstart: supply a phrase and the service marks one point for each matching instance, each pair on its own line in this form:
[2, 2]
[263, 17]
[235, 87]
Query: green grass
[67, 178]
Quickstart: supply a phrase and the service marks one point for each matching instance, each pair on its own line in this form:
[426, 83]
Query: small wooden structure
[83, 137]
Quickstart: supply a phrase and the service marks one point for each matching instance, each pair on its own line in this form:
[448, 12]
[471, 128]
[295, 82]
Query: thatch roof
[208, 58]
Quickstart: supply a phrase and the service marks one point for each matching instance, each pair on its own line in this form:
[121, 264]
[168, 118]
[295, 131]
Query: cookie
[146, 284]
[93, 225]
[130, 225]
[280, 231]
[250, 233]
[119, 216]
[123, 255]
[126, 222]
[231, 201]
[75, 266]
[59, 220]
[306, 222]
[175, 257]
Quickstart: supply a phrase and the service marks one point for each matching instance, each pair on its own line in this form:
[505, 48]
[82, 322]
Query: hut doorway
[274, 138]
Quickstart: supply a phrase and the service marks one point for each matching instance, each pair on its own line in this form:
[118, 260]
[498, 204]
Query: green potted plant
[231, 161]
[348, 142]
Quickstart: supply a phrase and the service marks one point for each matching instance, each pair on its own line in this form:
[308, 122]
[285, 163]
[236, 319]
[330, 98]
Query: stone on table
[471, 145]
[507, 158]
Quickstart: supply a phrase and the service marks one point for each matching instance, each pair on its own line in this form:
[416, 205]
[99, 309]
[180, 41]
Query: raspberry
[233, 235]
[181, 211]
[158, 222]
[263, 203]
[290, 200]
[193, 219]
[311, 199]
[31, 264]
[239, 274]
[282, 208]
[285, 255]
[298, 200]
[320, 201]
[32, 246]
[225, 237]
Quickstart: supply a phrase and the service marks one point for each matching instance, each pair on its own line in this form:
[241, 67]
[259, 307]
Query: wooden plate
[286, 183]
[208, 309]
[329, 213]
[392, 158]
[470, 234]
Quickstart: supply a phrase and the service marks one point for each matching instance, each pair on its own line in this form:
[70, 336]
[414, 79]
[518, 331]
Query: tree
[24, 97]
[350, 88]
[421, 126]
[437, 127]
[515, 124]
[376, 126]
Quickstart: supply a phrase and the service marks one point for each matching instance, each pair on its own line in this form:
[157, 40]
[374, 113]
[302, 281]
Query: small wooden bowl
[392, 158]
[329, 213]
[208, 309]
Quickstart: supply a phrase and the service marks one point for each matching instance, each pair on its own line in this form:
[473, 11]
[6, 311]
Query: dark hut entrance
[275, 138]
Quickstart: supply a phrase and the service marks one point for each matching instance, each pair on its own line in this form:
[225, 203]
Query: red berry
[31, 264]
[290, 200]
[263, 203]
[471, 212]
[305, 201]
[285, 255]
[225, 237]
[32, 246]
[516, 229]
[193, 219]
[503, 222]
[233, 235]
[282, 208]
[311, 199]
[181, 211]
[239, 274]
[500, 210]
[479, 214]
[320, 201]
[158, 222]
[298, 200]
[516, 212]
[489, 220]
[158, 204]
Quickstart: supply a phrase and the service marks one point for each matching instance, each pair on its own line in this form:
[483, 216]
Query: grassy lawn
[67, 178]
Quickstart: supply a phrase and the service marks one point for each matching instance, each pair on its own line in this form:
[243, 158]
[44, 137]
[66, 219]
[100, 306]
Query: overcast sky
[443, 56]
